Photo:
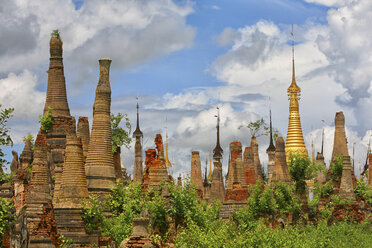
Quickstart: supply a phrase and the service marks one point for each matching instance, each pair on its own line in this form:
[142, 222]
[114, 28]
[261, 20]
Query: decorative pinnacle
[271, 146]
[217, 151]
[293, 88]
[137, 132]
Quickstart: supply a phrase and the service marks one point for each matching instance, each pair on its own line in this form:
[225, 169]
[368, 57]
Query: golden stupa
[295, 139]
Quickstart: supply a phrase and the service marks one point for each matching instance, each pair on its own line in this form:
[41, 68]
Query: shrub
[46, 120]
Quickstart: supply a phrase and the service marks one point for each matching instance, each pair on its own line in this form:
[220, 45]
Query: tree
[301, 169]
[120, 136]
[5, 140]
[259, 128]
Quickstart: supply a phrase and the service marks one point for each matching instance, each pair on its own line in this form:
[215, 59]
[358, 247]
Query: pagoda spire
[138, 168]
[295, 140]
[137, 132]
[217, 151]
[271, 146]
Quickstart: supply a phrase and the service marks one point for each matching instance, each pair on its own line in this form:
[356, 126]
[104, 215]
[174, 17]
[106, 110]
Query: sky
[184, 58]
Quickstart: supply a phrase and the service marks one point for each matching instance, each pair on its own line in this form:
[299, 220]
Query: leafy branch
[120, 136]
[46, 120]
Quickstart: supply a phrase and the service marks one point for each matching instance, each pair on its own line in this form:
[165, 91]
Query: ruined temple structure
[295, 141]
[280, 171]
[56, 99]
[346, 186]
[22, 178]
[83, 134]
[236, 187]
[137, 170]
[99, 165]
[155, 169]
[271, 153]
[256, 159]
[73, 191]
[39, 215]
[249, 168]
[196, 175]
[340, 143]
[217, 186]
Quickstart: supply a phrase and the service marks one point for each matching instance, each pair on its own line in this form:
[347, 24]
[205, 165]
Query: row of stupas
[70, 163]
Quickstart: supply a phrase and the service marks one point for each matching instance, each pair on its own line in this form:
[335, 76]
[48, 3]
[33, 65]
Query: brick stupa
[74, 190]
[249, 168]
[340, 141]
[56, 98]
[138, 169]
[196, 175]
[236, 187]
[155, 170]
[100, 163]
[236, 169]
[256, 159]
[280, 171]
[41, 226]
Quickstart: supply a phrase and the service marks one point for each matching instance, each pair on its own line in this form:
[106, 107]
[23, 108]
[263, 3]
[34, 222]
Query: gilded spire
[217, 151]
[137, 132]
[295, 140]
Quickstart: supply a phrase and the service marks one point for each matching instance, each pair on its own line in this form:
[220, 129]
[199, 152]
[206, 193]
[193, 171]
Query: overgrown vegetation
[7, 218]
[301, 170]
[5, 140]
[32, 139]
[46, 120]
[120, 136]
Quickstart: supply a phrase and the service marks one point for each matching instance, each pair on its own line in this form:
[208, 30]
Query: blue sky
[183, 58]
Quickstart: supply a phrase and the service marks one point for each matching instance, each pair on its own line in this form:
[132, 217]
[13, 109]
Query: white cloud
[130, 32]
[19, 92]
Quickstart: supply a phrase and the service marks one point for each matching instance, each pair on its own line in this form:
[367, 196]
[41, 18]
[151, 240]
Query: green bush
[46, 120]
[364, 191]
[7, 218]
[336, 168]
